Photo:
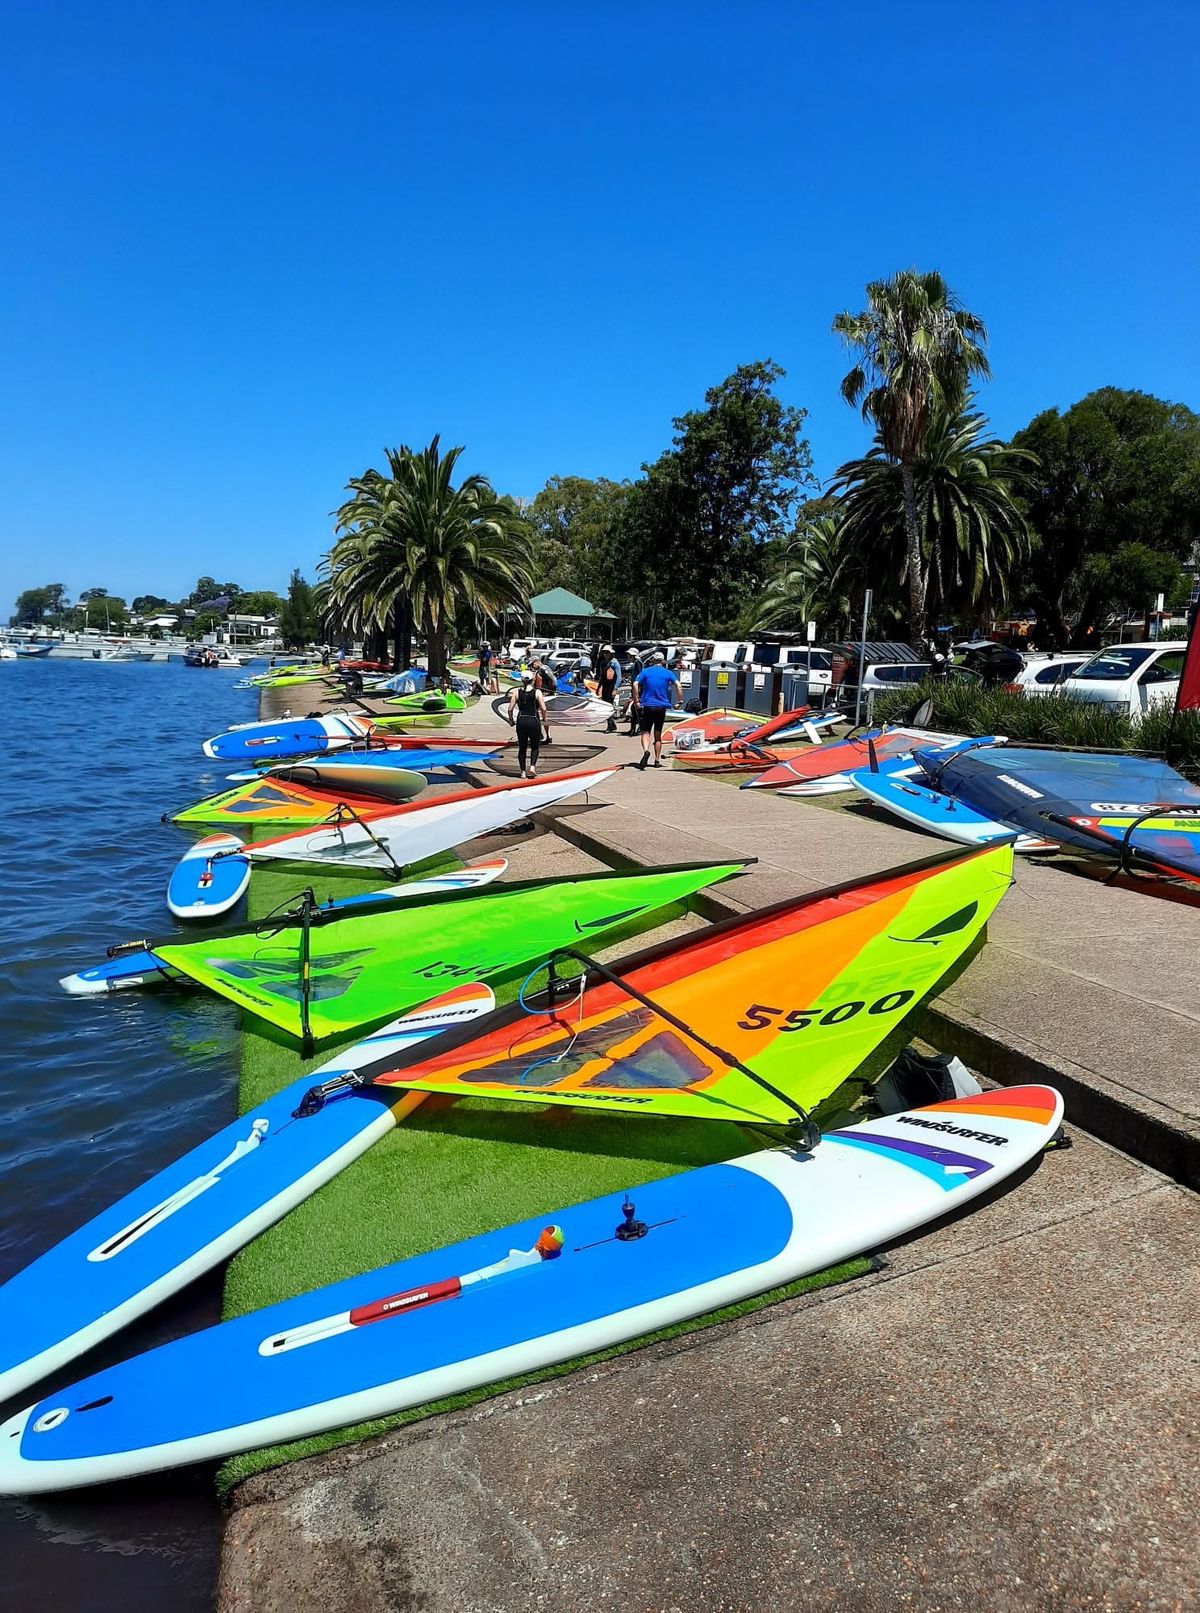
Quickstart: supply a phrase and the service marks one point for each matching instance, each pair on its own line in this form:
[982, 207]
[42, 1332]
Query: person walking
[609, 683]
[657, 688]
[527, 714]
[486, 676]
[635, 670]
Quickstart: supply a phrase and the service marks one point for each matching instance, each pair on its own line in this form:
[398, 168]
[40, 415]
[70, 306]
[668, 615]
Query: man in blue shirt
[657, 688]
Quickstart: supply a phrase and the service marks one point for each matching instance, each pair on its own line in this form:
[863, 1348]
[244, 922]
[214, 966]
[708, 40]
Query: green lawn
[451, 1170]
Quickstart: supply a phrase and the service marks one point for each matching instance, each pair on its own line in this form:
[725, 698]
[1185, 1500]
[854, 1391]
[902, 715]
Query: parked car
[524, 649]
[882, 677]
[1044, 674]
[1129, 678]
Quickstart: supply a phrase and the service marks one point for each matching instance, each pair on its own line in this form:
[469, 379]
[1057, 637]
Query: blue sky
[248, 245]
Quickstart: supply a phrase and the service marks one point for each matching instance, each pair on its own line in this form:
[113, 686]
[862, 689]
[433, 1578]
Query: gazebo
[558, 613]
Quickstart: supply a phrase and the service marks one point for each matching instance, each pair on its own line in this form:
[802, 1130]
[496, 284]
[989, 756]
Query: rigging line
[343, 811]
[807, 1133]
[264, 928]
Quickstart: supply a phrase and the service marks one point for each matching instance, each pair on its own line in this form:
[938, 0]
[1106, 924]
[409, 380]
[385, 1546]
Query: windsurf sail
[1069, 795]
[314, 975]
[397, 835]
[798, 994]
[829, 765]
[280, 803]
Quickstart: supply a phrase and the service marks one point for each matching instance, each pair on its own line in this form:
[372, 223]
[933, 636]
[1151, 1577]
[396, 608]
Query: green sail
[338, 975]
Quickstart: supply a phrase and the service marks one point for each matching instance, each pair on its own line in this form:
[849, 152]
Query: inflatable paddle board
[940, 814]
[142, 967]
[271, 741]
[207, 880]
[206, 1205]
[528, 1296]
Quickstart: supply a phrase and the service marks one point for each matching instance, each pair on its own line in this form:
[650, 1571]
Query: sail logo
[1020, 786]
[953, 1130]
[1124, 806]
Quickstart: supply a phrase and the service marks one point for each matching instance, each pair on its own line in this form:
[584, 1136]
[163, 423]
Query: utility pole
[862, 656]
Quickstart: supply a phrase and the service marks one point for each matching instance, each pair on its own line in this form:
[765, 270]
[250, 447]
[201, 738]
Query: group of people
[654, 690]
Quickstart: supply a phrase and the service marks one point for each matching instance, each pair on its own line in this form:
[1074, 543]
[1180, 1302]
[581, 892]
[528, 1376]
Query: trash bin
[723, 683]
[795, 688]
[689, 685]
[761, 689]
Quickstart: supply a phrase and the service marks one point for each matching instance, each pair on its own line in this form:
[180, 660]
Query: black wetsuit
[529, 728]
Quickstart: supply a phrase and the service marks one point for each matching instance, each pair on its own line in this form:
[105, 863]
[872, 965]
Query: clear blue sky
[247, 245]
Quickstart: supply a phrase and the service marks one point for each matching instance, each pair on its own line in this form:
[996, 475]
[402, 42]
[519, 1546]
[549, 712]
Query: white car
[1129, 678]
[524, 649]
[1044, 674]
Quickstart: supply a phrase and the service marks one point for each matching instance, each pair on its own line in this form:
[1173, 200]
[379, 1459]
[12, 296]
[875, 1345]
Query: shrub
[959, 708]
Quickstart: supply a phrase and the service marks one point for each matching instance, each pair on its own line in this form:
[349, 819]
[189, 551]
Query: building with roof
[558, 613]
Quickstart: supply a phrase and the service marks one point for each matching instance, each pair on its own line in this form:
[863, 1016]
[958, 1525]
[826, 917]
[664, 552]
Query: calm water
[99, 1092]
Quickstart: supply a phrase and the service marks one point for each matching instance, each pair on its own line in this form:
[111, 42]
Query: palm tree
[412, 546]
[918, 350]
[965, 489]
[817, 585]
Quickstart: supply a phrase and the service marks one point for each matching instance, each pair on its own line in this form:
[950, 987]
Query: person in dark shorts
[485, 668]
[527, 713]
[609, 681]
[657, 688]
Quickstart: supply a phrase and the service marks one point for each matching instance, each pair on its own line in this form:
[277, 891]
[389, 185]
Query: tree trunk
[402, 633]
[915, 563]
[435, 638]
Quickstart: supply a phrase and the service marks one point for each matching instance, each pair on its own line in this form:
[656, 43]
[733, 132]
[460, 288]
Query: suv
[1129, 678]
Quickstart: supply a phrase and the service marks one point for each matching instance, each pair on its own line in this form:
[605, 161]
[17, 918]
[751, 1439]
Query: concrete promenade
[1091, 986]
[1004, 1417]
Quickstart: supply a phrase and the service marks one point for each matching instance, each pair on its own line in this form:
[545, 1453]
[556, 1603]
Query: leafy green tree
[571, 519]
[149, 604]
[917, 352]
[1125, 583]
[965, 487]
[820, 576]
[1116, 468]
[298, 617]
[257, 602]
[104, 610]
[732, 482]
[411, 541]
[32, 606]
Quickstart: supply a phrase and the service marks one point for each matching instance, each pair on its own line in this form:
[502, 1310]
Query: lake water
[97, 1093]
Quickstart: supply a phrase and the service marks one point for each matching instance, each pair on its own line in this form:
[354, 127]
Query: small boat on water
[117, 652]
[214, 655]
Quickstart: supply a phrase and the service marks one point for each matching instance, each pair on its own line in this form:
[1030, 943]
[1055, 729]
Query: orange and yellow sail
[799, 993]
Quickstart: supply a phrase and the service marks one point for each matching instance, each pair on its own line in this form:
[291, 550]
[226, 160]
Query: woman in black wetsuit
[527, 712]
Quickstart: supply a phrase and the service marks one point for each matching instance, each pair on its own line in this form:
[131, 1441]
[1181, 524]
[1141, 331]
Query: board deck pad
[205, 1205]
[541, 1292]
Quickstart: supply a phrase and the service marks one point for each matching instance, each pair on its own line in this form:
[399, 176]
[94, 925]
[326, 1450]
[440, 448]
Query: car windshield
[1113, 666]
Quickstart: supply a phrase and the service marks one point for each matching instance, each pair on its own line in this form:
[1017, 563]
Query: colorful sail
[320, 978]
[798, 994]
[280, 803]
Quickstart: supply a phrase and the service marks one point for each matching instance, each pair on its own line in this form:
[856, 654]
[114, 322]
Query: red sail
[1188, 698]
